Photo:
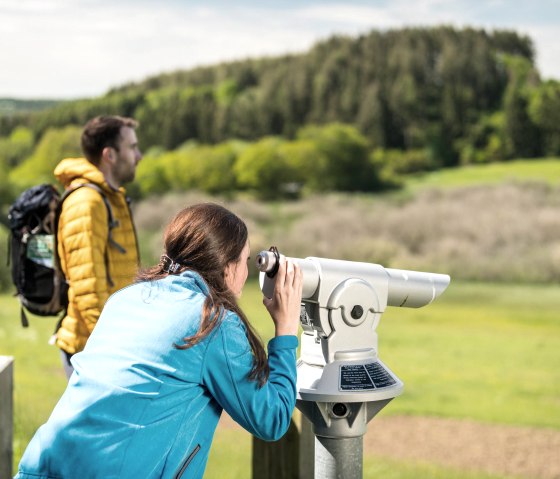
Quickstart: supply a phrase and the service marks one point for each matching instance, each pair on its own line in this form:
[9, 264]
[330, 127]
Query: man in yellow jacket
[96, 261]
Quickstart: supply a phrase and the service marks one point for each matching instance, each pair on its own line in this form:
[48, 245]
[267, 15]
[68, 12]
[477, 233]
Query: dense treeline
[352, 114]
[348, 115]
[9, 106]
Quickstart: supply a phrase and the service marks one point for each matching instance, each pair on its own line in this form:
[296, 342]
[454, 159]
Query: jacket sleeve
[82, 236]
[263, 411]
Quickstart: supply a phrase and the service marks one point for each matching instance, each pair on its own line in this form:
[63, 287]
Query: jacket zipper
[188, 460]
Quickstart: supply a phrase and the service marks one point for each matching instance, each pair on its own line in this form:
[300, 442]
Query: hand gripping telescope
[341, 381]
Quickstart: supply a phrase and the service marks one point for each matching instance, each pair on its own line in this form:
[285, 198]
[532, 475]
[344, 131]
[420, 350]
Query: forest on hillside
[351, 114]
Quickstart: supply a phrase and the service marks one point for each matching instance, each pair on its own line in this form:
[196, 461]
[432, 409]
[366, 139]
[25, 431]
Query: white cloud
[71, 48]
[547, 47]
[352, 15]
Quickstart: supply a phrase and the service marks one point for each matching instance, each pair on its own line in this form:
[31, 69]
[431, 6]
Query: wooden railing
[292, 457]
[6, 415]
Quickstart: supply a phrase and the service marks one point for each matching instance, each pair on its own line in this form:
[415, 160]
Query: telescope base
[338, 458]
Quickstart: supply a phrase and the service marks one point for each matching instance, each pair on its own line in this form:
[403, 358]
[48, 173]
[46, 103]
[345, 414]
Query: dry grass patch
[508, 232]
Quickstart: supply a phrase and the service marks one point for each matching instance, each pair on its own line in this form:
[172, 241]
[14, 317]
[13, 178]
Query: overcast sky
[82, 48]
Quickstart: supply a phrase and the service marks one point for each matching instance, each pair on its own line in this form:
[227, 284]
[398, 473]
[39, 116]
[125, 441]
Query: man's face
[128, 156]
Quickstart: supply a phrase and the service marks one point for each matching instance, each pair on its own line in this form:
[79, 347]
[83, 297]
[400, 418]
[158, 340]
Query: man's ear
[108, 155]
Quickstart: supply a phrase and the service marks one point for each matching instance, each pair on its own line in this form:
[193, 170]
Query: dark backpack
[33, 219]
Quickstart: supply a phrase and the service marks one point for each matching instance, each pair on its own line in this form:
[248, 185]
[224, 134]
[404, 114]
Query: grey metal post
[6, 415]
[339, 458]
[339, 430]
[341, 382]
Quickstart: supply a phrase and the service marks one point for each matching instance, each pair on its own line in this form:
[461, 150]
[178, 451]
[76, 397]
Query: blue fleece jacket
[137, 407]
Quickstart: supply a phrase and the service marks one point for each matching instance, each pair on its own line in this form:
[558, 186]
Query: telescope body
[342, 303]
[342, 384]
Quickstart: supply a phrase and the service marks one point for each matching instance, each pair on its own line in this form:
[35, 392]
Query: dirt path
[462, 444]
[467, 445]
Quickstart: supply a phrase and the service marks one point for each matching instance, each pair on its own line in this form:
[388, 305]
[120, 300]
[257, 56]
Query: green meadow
[544, 170]
[487, 352]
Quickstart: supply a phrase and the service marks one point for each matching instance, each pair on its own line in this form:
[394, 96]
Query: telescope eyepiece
[262, 261]
[268, 261]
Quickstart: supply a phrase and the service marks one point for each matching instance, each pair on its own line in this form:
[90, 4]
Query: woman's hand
[285, 305]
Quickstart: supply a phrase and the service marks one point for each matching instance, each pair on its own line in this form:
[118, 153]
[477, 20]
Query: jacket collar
[80, 170]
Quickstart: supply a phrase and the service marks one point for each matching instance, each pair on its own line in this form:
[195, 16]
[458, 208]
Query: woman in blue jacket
[168, 354]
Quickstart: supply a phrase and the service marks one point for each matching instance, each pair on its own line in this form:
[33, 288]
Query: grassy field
[486, 352]
[545, 170]
[478, 223]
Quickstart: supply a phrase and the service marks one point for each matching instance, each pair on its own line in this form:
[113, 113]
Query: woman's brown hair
[206, 238]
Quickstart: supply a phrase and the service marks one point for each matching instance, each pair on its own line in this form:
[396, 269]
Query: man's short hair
[101, 132]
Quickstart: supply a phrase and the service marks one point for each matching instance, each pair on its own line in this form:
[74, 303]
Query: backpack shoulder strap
[110, 219]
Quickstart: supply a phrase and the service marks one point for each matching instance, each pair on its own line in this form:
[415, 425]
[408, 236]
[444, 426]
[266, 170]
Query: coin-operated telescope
[342, 384]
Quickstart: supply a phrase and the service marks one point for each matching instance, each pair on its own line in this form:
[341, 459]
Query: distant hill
[10, 106]
[442, 95]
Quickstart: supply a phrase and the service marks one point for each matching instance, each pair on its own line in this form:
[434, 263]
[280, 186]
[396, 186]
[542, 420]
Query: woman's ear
[229, 275]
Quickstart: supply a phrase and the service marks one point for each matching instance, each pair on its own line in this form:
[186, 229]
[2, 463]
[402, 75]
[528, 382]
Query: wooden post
[6, 415]
[306, 449]
[277, 460]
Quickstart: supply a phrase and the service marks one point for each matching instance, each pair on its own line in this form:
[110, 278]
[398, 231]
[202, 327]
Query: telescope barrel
[413, 289]
[410, 289]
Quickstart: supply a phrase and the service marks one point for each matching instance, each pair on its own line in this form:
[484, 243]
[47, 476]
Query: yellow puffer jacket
[82, 241]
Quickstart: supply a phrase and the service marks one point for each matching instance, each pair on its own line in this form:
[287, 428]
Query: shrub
[55, 145]
[5, 274]
[492, 233]
[403, 162]
[150, 176]
[346, 165]
[262, 169]
[213, 171]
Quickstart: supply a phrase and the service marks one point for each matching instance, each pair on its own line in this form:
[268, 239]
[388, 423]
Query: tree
[345, 151]
[245, 121]
[372, 114]
[16, 147]
[262, 169]
[521, 134]
[150, 177]
[412, 88]
[55, 145]
[306, 164]
[213, 170]
[6, 190]
[544, 111]
[179, 167]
